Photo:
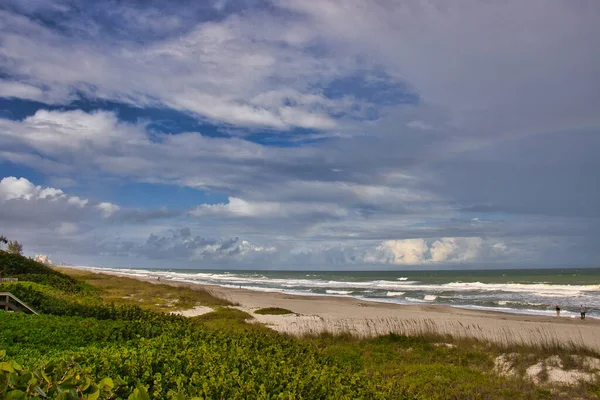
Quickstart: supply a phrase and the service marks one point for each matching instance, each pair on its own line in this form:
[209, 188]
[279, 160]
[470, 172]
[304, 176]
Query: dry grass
[541, 358]
[154, 296]
[543, 338]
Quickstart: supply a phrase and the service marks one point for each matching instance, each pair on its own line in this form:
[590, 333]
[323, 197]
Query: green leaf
[139, 394]
[13, 379]
[15, 395]
[94, 395]
[45, 377]
[86, 384]
[16, 366]
[106, 383]
[5, 366]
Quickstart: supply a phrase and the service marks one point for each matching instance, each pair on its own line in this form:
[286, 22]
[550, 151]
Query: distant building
[42, 258]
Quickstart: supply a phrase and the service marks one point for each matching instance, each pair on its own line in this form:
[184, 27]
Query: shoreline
[315, 314]
[567, 312]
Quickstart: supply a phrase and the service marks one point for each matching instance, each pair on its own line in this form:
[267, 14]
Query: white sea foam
[395, 294]
[338, 291]
[519, 303]
[412, 299]
[514, 297]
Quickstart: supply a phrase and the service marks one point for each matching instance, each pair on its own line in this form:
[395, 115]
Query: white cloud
[443, 250]
[108, 209]
[456, 249]
[407, 251]
[20, 90]
[22, 190]
[261, 68]
[218, 70]
[242, 208]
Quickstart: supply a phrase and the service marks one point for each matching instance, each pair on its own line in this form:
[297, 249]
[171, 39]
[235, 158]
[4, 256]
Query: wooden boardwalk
[9, 302]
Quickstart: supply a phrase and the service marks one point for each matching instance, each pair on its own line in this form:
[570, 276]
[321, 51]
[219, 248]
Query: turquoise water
[515, 291]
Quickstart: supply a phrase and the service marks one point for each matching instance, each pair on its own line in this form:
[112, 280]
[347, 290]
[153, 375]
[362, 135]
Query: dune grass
[154, 296]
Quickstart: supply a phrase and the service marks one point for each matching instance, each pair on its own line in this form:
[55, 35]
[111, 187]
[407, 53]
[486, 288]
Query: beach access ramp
[10, 302]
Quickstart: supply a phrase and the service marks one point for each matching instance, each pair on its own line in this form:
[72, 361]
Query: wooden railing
[9, 279]
[9, 302]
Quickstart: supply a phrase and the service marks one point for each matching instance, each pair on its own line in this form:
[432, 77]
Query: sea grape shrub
[56, 380]
[184, 360]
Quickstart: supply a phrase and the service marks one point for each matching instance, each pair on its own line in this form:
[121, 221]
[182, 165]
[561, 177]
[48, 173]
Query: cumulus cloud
[33, 210]
[107, 209]
[21, 188]
[442, 250]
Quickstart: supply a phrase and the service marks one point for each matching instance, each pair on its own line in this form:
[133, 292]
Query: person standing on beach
[582, 310]
[557, 311]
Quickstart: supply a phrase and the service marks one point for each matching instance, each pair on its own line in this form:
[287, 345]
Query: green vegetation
[273, 311]
[17, 266]
[101, 337]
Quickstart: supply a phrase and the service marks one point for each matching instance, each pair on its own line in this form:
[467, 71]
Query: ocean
[533, 291]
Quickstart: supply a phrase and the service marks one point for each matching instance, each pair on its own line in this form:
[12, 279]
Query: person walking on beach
[557, 311]
[582, 310]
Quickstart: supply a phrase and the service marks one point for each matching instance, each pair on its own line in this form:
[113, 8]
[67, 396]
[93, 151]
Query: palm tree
[3, 241]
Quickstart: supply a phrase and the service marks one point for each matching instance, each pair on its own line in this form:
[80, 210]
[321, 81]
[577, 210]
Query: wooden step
[10, 302]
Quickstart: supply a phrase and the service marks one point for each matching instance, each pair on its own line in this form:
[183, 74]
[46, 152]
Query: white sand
[193, 312]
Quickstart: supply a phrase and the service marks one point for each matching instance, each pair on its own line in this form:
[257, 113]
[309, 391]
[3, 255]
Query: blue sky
[301, 134]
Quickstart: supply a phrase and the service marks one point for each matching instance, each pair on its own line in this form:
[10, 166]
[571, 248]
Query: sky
[302, 134]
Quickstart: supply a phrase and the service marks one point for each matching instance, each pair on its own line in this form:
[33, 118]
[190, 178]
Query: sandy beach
[315, 314]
